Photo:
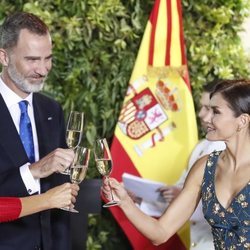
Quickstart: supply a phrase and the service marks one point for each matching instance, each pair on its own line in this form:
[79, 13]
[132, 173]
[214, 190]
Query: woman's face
[221, 122]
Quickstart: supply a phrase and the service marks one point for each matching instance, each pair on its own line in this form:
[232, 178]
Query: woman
[221, 180]
[12, 208]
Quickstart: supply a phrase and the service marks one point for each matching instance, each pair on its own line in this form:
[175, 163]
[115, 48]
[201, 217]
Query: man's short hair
[14, 23]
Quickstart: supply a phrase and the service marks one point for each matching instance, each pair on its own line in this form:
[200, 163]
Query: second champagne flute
[74, 131]
[104, 164]
[78, 169]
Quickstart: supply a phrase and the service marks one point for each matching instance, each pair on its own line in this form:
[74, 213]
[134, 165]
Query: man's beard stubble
[21, 82]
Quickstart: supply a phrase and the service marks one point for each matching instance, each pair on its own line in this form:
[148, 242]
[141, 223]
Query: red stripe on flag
[183, 56]
[153, 19]
[169, 31]
[122, 163]
[185, 75]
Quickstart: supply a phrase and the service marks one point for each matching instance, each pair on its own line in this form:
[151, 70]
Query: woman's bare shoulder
[200, 163]
[197, 171]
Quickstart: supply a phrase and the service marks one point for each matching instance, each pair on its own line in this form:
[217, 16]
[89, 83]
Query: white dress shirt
[204, 147]
[12, 99]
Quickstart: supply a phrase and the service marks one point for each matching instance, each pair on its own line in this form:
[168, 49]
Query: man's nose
[208, 116]
[200, 113]
[43, 68]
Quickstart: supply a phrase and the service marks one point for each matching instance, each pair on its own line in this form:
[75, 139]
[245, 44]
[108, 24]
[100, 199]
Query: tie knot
[23, 106]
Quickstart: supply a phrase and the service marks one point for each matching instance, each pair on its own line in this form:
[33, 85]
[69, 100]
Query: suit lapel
[40, 127]
[47, 124]
[9, 137]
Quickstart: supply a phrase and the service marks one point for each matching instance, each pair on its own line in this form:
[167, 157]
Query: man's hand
[169, 193]
[56, 161]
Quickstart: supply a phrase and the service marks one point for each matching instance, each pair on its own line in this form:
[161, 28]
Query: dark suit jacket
[48, 230]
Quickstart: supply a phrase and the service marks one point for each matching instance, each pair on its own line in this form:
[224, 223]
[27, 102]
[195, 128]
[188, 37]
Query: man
[31, 145]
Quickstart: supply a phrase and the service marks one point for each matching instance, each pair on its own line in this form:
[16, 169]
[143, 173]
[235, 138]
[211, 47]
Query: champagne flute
[74, 132]
[104, 164]
[78, 169]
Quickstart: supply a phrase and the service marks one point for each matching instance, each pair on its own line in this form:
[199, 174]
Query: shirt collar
[10, 97]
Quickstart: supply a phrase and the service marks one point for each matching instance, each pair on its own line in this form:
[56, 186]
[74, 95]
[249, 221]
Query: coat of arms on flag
[146, 111]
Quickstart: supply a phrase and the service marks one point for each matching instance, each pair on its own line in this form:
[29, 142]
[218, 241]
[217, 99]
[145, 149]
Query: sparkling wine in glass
[104, 164]
[78, 169]
[74, 132]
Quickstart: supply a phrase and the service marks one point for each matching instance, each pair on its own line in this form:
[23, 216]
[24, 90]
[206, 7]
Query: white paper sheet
[153, 203]
[155, 209]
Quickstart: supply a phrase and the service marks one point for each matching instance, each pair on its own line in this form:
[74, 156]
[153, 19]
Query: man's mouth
[37, 79]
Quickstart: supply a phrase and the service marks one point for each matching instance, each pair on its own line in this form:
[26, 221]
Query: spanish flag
[156, 129]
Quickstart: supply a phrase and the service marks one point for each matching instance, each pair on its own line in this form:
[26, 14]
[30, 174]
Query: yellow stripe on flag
[175, 41]
[161, 30]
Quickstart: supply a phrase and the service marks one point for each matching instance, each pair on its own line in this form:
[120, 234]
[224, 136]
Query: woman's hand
[119, 192]
[62, 196]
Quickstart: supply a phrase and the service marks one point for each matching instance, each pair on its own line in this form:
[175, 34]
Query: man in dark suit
[26, 58]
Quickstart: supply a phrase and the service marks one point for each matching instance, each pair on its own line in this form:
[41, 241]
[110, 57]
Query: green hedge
[95, 46]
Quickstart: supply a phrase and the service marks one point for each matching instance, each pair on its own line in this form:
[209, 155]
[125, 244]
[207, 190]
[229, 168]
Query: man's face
[29, 62]
[204, 109]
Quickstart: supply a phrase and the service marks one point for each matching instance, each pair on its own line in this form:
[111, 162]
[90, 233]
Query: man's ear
[4, 58]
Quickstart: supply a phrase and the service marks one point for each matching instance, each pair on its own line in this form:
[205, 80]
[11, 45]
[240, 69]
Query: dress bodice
[230, 226]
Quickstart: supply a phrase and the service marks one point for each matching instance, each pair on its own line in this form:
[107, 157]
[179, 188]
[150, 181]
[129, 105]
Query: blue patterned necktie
[26, 131]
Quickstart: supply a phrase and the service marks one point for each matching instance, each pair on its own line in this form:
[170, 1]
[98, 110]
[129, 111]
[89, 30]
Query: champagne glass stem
[112, 202]
[112, 197]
